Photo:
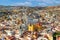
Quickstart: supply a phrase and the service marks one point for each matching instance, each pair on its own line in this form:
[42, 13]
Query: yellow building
[30, 28]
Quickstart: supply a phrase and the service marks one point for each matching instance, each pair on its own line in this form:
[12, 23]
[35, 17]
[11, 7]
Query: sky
[29, 2]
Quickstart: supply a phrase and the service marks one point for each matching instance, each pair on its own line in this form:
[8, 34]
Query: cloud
[37, 3]
[46, 2]
[23, 4]
[42, 4]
